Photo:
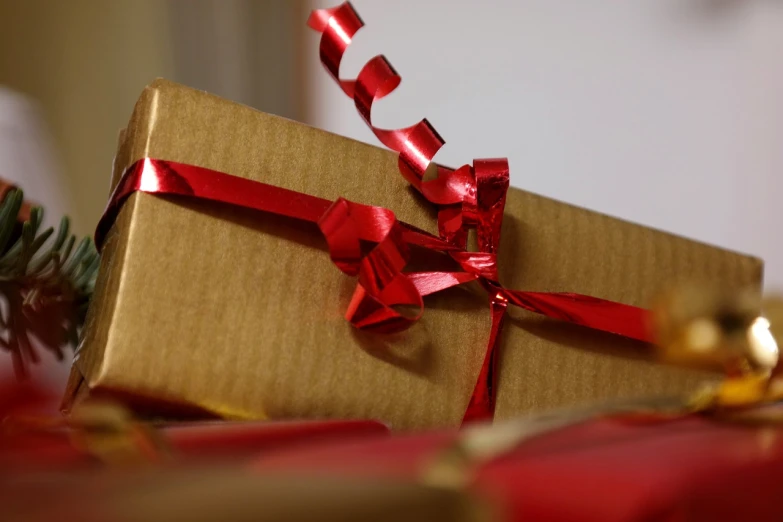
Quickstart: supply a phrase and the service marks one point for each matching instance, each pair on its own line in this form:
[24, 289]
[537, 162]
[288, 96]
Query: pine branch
[45, 285]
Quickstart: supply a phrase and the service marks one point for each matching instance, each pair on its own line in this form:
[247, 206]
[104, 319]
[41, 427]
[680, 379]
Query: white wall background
[664, 112]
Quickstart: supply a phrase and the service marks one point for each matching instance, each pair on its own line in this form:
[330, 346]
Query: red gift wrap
[33, 436]
[610, 470]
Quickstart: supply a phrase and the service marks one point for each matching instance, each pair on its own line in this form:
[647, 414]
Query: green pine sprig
[45, 284]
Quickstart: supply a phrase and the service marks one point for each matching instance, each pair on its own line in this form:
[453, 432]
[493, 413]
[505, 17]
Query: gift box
[203, 307]
[104, 465]
[60, 447]
[623, 469]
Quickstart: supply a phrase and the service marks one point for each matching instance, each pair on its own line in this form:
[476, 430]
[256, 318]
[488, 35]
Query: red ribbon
[466, 197]
[471, 196]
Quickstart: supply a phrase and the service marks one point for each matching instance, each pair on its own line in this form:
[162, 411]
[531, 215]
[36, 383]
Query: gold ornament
[737, 333]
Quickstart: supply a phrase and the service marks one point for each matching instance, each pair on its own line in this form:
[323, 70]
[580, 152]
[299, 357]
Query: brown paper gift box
[241, 313]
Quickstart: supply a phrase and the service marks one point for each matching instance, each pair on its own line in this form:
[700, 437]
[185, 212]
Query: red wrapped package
[225, 439]
[188, 471]
[61, 447]
[32, 435]
[609, 470]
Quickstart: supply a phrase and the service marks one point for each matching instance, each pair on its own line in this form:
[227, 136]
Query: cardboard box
[236, 312]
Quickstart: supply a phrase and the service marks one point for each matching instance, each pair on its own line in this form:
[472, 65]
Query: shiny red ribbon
[466, 197]
[469, 197]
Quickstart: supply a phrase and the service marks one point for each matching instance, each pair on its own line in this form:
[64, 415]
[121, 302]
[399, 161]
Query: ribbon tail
[595, 313]
[482, 401]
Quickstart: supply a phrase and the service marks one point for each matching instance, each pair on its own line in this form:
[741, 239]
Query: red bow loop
[383, 288]
[492, 181]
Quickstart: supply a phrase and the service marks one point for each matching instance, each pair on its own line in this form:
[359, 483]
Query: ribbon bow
[468, 197]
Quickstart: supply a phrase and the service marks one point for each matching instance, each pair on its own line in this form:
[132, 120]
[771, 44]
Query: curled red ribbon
[471, 196]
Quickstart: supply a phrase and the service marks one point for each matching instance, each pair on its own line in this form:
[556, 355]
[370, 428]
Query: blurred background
[81, 64]
[663, 112]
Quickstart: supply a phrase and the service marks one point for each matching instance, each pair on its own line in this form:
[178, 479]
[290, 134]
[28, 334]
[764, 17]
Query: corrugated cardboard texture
[242, 312]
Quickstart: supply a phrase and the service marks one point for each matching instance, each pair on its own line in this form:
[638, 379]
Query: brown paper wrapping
[241, 313]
